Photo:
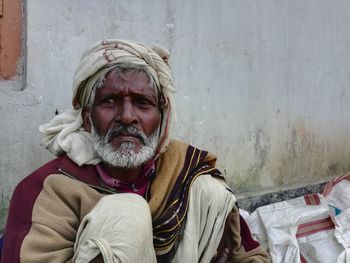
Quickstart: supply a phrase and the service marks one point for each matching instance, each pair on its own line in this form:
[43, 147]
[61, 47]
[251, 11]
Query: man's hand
[221, 256]
[98, 259]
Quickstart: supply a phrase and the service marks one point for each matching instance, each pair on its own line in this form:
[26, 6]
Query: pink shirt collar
[138, 187]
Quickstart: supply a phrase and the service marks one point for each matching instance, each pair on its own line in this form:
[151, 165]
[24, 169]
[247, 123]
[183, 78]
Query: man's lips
[127, 137]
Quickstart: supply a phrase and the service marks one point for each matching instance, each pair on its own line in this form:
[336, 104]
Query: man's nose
[126, 113]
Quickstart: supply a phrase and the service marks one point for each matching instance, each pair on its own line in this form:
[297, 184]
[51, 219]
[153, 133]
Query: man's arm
[237, 244]
[53, 221]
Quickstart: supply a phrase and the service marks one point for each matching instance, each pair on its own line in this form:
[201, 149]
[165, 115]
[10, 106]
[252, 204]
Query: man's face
[125, 120]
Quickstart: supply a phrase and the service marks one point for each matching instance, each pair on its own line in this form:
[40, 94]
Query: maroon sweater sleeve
[19, 218]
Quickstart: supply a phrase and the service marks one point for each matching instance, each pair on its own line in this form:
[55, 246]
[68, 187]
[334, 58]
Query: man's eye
[143, 102]
[108, 101]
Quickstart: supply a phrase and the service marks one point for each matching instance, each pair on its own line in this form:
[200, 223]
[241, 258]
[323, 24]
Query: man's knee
[120, 225]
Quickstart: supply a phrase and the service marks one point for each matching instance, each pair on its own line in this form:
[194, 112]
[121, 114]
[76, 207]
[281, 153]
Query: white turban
[65, 134]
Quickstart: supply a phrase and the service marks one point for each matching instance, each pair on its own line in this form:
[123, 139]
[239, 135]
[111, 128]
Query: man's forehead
[137, 80]
[132, 82]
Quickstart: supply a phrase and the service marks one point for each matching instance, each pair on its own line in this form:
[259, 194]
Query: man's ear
[85, 114]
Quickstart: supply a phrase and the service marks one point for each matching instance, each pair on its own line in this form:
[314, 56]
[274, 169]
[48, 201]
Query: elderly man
[121, 190]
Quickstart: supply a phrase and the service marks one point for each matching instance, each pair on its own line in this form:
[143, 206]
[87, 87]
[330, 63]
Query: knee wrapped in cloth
[119, 228]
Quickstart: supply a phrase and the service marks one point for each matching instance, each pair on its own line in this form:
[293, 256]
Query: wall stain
[287, 158]
[259, 146]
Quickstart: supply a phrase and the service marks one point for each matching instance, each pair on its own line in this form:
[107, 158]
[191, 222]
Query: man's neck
[126, 175]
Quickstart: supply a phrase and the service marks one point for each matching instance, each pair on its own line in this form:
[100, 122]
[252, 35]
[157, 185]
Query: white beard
[127, 155]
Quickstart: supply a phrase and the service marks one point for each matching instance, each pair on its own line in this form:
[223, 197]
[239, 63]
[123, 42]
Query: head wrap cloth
[65, 134]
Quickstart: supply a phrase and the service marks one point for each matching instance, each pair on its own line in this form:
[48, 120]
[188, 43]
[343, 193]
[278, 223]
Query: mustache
[121, 129]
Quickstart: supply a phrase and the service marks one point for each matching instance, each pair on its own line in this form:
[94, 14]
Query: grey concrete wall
[263, 84]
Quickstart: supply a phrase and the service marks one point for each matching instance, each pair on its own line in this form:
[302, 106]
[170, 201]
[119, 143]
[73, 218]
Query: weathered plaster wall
[264, 84]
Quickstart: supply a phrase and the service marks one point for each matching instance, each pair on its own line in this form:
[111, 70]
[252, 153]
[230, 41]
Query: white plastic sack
[337, 194]
[276, 225]
[313, 228]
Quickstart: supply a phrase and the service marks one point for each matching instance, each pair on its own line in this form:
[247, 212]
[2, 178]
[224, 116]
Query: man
[121, 190]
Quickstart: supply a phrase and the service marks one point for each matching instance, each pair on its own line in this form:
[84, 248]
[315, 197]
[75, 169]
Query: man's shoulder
[49, 167]
[177, 145]
[62, 166]
[38, 176]
[175, 152]
[180, 146]
[179, 150]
